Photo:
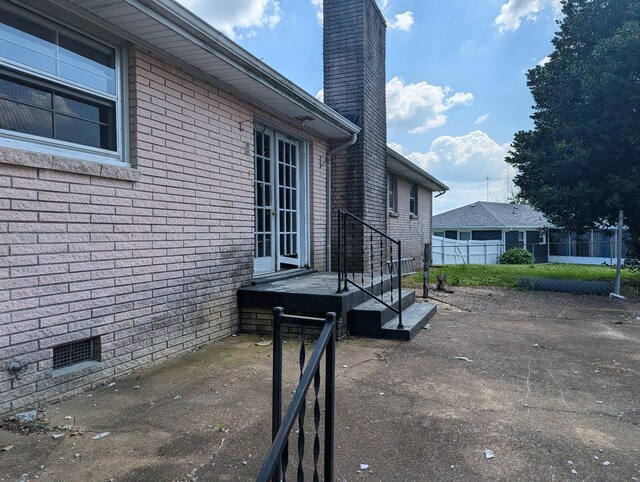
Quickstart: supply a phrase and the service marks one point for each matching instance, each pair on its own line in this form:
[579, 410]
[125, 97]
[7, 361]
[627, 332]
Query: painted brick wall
[354, 85]
[413, 231]
[147, 259]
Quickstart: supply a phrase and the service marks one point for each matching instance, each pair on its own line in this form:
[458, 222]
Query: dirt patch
[26, 427]
[537, 304]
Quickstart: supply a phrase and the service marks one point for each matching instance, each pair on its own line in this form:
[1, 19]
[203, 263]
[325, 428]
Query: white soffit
[166, 26]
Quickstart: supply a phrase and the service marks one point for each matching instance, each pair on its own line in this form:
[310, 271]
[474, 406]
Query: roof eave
[250, 64]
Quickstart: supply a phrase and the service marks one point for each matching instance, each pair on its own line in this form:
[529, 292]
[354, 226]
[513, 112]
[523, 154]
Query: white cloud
[319, 10]
[402, 21]
[320, 95]
[421, 106]
[514, 11]
[396, 147]
[237, 18]
[463, 163]
[481, 119]
[544, 60]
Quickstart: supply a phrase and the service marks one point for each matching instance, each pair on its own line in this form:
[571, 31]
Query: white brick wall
[413, 231]
[149, 259]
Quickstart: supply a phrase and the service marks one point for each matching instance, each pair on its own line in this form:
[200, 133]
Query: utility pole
[619, 251]
[617, 294]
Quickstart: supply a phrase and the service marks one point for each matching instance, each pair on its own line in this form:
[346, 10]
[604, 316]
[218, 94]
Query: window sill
[19, 157]
[393, 214]
[59, 372]
[413, 216]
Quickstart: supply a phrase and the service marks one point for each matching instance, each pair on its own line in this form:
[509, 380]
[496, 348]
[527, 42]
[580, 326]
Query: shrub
[516, 256]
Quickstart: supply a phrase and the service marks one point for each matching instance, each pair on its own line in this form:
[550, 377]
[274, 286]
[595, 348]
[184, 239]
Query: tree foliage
[581, 162]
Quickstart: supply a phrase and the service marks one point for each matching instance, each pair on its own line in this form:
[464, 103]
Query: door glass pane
[258, 142]
[260, 220]
[267, 146]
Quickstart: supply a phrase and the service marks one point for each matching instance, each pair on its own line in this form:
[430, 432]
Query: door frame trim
[304, 205]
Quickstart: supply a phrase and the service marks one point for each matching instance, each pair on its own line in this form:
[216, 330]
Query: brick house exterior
[141, 255]
[410, 219]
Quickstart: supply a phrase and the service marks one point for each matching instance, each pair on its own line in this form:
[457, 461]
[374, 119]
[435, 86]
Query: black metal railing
[276, 464]
[362, 256]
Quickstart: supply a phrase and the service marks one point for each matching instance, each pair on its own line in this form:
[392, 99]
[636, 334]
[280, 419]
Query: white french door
[280, 202]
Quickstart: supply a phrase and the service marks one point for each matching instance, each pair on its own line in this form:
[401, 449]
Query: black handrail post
[339, 290]
[276, 405]
[346, 253]
[425, 270]
[330, 392]
[400, 325]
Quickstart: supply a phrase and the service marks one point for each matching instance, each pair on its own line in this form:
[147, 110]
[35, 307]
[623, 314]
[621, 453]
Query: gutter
[341, 147]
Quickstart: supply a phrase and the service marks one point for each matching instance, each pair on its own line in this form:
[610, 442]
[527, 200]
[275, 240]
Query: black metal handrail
[275, 465]
[343, 261]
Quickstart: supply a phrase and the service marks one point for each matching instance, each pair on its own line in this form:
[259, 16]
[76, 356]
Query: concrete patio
[548, 394]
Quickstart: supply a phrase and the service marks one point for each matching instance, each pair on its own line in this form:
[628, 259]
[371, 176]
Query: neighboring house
[489, 228]
[150, 167]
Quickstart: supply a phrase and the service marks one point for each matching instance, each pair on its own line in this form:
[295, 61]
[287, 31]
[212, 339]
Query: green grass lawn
[507, 275]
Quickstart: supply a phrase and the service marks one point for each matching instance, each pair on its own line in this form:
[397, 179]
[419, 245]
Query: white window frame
[30, 142]
[413, 196]
[392, 193]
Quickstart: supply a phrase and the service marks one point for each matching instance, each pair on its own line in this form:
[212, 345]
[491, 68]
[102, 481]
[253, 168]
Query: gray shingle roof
[491, 215]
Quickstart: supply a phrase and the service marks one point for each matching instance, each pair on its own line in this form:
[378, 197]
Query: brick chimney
[354, 85]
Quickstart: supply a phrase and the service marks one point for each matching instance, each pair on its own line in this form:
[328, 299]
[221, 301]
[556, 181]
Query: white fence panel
[450, 251]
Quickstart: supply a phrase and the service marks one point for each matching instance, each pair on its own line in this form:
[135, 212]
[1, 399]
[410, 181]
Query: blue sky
[456, 85]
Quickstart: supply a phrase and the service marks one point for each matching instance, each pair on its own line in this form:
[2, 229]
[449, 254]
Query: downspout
[440, 194]
[341, 147]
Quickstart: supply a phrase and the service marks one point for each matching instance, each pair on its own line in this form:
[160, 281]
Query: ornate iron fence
[276, 464]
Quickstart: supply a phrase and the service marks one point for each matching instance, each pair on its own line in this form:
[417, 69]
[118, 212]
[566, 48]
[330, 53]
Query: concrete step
[414, 319]
[372, 312]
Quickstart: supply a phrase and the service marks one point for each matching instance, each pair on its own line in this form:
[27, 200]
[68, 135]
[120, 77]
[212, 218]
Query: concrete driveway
[546, 391]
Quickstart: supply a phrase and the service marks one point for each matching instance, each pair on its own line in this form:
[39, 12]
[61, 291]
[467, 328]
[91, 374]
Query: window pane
[104, 82]
[77, 108]
[83, 132]
[23, 39]
[25, 119]
[36, 42]
[22, 92]
[89, 53]
[19, 53]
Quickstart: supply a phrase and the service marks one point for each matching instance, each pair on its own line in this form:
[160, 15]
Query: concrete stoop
[314, 294]
[374, 319]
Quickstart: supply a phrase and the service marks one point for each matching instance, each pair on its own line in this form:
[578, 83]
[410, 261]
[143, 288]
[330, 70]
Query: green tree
[581, 162]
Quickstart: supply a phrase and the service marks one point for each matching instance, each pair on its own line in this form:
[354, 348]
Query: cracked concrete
[411, 411]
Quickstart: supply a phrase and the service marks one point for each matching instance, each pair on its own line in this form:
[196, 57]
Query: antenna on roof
[488, 178]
